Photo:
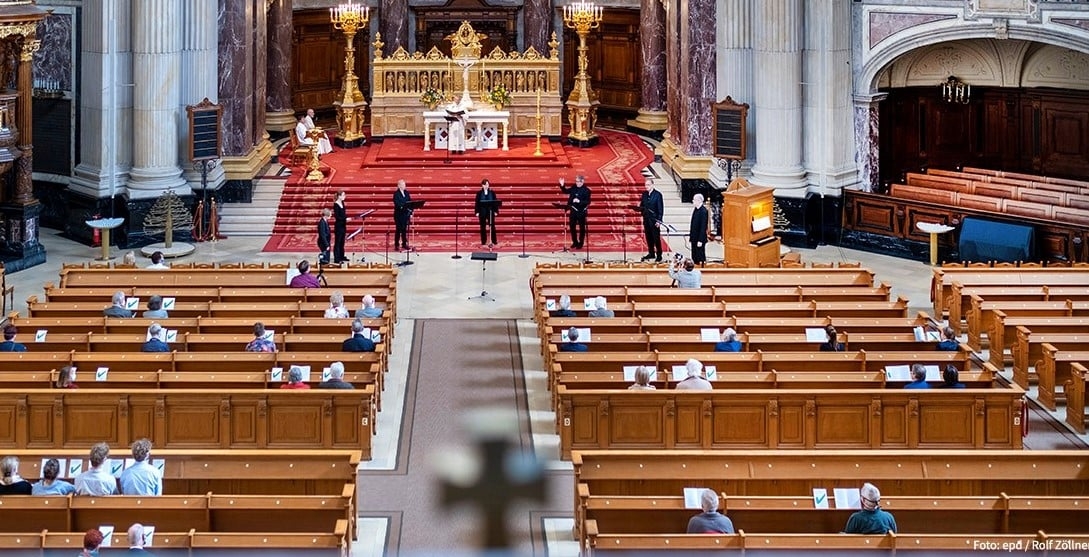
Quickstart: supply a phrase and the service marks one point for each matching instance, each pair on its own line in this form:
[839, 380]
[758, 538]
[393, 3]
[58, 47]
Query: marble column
[279, 114]
[697, 75]
[652, 47]
[537, 16]
[199, 50]
[735, 64]
[674, 95]
[867, 126]
[236, 75]
[260, 69]
[105, 99]
[394, 18]
[24, 166]
[828, 114]
[156, 68]
[778, 96]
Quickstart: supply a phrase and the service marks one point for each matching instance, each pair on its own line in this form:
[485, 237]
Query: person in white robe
[301, 130]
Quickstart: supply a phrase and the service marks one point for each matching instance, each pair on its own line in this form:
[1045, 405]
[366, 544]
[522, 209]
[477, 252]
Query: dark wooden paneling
[435, 23]
[317, 61]
[615, 63]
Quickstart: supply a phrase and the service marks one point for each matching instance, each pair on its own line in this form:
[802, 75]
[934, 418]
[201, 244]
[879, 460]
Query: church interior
[884, 205]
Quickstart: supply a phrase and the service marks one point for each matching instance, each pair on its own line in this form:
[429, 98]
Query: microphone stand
[624, 239]
[563, 229]
[586, 241]
[456, 255]
[524, 254]
[387, 244]
[321, 274]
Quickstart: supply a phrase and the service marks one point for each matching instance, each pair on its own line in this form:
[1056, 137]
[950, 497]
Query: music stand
[362, 217]
[563, 230]
[412, 206]
[492, 207]
[483, 257]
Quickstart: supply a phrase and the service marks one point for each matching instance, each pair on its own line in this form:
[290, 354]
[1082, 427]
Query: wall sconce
[956, 91]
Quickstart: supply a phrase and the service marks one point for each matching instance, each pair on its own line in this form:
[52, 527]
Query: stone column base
[279, 122]
[651, 121]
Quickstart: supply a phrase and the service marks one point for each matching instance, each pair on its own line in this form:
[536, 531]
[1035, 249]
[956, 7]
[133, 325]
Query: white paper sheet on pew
[149, 535]
[277, 374]
[168, 303]
[107, 535]
[170, 336]
[305, 373]
[325, 374]
[117, 465]
[290, 274]
[40, 335]
[269, 335]
[903, 373]
[74, 468]
[60, 470]
[584, 334]
[159, 464]
[102, 374]
[692, 497]
[820, 498]
[847, 498]
[710, 335]
[372, 334]
[588, 303]
[813, 334]
[629, 373]
[132, 304]
[550, 305]
[680, 373]
[923, 335]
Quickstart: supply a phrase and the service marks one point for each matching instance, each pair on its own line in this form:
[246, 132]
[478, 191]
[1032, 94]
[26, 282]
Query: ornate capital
[29, 48]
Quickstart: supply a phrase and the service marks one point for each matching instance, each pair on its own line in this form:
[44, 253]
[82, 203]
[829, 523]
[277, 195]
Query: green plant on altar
[498, 95]
[431, 97]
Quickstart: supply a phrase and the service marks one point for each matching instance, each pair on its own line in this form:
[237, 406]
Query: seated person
[336, 309]
[301, 133]
[368, 311]
[324, 146]
[642, 380]
[259, 342]
[952, 378]
[710, 521]
[136, 536]
[918, 378]
[871, 519]
[128, 260]
[359, 342]
[294, 379]
[66, 378]
[600, 310]
[49, 484]
[155, 308]
[304, 279]
[155, 343]
[92, 539]
[565, 308]
[949, 341]
[336, 378]
[157, 261]
[141, 478]
[98, 481]
[9, 344]
[832, 344]
[573, 344]
[686, 274]
[695, 380]
[10, 481]
[729, 342]
[118, 307]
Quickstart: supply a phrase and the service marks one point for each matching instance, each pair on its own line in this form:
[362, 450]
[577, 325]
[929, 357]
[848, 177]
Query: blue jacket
[358, 343]
[12, 346]
[948, 346]
[728, 346]
[573, 347]
[155, 345]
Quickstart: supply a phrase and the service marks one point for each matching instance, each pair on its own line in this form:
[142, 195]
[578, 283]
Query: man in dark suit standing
[359, 342]
[578, 200]
[650, 204]
[402, 213]
[486, 210]
[323, 235]
[697, 230]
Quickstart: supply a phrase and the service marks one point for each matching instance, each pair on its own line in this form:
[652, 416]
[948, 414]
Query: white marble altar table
[475, 118]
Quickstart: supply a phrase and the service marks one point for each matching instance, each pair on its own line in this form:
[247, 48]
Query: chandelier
[955, 91]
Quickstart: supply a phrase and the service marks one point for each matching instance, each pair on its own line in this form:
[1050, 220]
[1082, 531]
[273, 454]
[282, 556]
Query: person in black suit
[832, 344]
[336, 378]
[155, 341]
[486, 212]
[323, 235]
[653, 209]
[578, 200]
[402, 214]
[358, 342]
[697, 230]
[340, 227]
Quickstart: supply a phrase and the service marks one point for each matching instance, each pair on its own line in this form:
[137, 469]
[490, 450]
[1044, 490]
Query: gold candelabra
[537, 152]
[582, 103]
[350, 18]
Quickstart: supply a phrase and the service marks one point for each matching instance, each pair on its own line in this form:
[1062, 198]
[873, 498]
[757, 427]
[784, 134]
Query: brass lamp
[349, 18]
[582, 103]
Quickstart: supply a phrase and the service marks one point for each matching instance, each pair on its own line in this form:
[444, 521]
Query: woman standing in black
[340, 227]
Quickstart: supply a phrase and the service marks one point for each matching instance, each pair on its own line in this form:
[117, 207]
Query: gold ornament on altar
[313, 163]
[582, 104]
[350, 18]
[465, 43]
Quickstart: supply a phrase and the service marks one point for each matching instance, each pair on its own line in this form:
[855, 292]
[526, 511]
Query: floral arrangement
[499, 94]
[431, 96]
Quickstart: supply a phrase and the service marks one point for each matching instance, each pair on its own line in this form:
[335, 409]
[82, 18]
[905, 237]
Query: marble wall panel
[279, 56]
[53, 61]
[698, 81]
[394, 24]
[652, 44]
[236, 86]
[259, 64]
[536, 25]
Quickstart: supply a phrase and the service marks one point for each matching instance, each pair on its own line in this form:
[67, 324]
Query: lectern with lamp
[747, 224]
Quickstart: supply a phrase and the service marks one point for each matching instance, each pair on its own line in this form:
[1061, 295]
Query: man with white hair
[565, 308]
[136, 539]
[729, 342]
[368, 311]
[871, 519]
[155, 341]
[336, 378]
[695, 380]
[573, 344]
[697, 230]
[600, 310]
[710, 521]
[118, 307]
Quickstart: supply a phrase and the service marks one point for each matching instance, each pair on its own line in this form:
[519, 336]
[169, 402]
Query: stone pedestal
[867, 125]
[652, 116]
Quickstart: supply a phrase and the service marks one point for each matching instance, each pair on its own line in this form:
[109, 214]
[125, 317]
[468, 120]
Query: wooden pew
[37, 309]
[718, 293]
[709, 277]
[189, 418]
[666, 325]
[763, 361]
[960, 301]
[1027, 351]
[981, 315]
[790, 342]
[1076, 397]
[941, 285]
[1003, 330]
[1054, 371]
[789, 419]
[250, 278]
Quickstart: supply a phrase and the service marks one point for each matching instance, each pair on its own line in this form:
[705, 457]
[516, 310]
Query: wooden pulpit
[748, 224]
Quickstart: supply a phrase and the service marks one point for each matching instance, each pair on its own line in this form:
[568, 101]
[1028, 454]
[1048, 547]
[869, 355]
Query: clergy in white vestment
[455, 124]
[301, 130]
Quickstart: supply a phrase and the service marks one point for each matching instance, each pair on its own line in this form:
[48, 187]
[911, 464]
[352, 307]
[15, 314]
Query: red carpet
[526, 184]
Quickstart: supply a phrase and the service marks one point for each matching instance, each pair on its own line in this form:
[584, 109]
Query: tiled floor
[437, 286]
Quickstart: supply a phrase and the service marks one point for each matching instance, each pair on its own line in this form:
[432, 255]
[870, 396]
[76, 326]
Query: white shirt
[300, 132]
[158, 266]
[308, 121]
[96, 481]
